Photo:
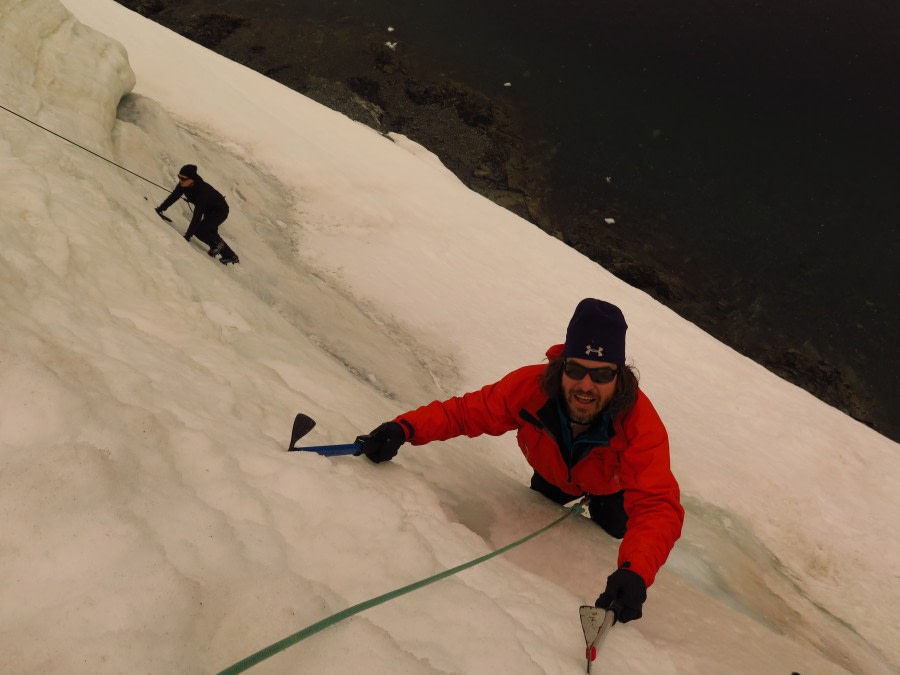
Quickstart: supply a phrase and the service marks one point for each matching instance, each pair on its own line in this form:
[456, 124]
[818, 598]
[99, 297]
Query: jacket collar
[554, 420]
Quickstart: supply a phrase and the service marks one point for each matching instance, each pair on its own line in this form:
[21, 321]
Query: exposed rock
[349, 68]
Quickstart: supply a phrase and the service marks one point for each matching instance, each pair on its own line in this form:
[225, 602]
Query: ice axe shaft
[331, 450]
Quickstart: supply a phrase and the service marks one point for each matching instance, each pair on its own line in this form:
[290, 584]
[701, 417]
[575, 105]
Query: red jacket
[630, 454]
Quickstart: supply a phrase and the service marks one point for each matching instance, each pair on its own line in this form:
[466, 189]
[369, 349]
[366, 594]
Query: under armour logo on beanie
[596, 333]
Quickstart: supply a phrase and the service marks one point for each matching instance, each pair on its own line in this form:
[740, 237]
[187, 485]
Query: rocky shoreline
[349, 68]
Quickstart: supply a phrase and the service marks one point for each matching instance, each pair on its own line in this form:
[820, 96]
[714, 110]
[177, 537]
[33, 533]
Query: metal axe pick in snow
[596, 624]
[303, 424]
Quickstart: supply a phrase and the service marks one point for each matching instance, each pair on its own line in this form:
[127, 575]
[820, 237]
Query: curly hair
[624, 397]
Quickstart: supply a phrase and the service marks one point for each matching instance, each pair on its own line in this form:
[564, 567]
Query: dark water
[756, 143]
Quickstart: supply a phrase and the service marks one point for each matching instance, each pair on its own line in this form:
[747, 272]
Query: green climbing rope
[319, 626]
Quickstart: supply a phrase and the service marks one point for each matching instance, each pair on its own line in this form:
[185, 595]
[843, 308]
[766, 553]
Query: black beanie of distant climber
[596, 333]
[189, 170]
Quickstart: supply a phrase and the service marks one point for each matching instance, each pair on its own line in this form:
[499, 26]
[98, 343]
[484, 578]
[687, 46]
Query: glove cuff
[408, 430]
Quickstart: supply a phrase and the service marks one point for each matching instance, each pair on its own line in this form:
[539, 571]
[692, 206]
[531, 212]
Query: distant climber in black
[210, 211]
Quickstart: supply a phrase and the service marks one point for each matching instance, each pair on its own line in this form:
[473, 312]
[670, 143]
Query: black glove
[381, 444]
[625, 593]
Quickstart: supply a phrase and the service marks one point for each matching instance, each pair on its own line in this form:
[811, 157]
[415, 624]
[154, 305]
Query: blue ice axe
[303, 424]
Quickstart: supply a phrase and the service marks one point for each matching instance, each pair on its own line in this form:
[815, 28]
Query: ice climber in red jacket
[585, 428]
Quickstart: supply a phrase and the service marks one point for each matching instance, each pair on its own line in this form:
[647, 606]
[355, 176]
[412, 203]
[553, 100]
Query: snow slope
[154, 522]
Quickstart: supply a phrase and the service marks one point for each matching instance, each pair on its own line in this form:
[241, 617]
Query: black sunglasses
[600, 375]
[180, 178]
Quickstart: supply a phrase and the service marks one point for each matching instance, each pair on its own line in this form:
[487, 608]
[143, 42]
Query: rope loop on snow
[319, 626]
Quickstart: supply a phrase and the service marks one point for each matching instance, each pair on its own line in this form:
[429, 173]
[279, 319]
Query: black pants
[207, 231]
[608, 511]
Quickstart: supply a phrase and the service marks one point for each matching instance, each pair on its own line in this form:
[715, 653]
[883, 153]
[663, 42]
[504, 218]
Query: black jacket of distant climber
[210, 206]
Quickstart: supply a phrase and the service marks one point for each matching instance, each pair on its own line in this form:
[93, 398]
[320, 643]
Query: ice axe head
[303, 424]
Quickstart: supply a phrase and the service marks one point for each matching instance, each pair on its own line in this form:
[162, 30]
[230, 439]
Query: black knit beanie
[596, 333]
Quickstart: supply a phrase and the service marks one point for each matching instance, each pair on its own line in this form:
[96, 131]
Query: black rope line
[84, 148]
